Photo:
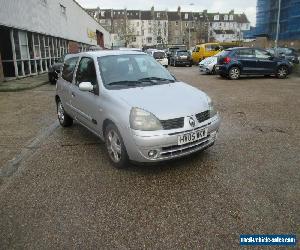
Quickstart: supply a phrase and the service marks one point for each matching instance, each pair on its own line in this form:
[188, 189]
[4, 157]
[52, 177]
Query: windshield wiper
[123, 83]
[155, 79]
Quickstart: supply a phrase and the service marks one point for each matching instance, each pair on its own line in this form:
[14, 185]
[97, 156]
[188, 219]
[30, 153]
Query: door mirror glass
[86, 86]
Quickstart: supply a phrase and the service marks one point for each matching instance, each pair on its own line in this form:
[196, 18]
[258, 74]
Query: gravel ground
[63, 193]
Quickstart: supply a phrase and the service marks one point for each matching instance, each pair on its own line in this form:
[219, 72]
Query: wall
[263, 42]
[46, 17]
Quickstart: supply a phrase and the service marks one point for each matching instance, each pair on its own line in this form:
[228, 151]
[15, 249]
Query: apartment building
[227, 27]
[148, 28]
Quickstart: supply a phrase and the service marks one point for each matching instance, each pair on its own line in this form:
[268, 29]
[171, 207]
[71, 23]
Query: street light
[278, 26]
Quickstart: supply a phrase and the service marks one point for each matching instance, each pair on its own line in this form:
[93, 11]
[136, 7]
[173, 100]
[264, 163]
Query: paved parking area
[61, 192]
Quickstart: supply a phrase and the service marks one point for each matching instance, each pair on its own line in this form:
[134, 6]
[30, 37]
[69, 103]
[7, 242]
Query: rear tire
[115, 147]
[234, 73]
[64, 119]
[282, 72]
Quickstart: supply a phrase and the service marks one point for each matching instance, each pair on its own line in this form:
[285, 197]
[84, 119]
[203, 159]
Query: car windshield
[159, 55]
[132, 70]
[182, 53]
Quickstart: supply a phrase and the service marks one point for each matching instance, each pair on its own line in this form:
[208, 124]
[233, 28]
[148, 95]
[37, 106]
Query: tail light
[226, 60]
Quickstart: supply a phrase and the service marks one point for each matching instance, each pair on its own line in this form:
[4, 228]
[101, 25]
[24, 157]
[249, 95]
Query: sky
[240, 6]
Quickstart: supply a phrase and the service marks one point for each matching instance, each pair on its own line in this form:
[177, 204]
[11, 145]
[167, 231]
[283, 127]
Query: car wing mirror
[86, 86]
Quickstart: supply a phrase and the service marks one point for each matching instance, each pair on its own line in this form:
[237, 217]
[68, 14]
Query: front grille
[201, 117]
[177, 150]
[172, 123]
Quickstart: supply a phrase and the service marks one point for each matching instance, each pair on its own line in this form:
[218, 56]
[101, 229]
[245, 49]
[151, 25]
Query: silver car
[140, 111]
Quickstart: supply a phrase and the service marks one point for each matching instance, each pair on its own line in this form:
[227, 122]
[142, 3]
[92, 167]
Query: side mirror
[86, 86]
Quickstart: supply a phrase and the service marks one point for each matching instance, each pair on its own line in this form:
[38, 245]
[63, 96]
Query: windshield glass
[183, 53]
[132, 70]
[159, 55]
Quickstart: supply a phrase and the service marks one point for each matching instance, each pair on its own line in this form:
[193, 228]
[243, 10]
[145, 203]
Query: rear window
[224, 53]
[159, 55]
[183, 53]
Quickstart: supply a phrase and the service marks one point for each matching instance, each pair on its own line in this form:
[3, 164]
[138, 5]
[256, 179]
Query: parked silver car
[136, 106]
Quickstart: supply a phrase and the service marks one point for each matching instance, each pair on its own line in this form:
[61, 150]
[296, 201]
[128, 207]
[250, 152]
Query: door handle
[73, 94]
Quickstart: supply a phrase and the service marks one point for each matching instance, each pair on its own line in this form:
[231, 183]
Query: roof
[102, 53]
[146, 15]
[173, 16]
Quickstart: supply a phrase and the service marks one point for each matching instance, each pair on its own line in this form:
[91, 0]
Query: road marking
[13, 165]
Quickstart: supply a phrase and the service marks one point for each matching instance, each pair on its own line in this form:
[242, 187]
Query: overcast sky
[240, 6]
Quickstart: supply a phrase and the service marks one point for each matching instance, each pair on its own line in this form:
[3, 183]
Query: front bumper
[165, 142]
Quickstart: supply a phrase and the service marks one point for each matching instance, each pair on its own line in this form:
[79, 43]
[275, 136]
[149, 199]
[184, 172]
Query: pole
[189, 36]
[278, 26]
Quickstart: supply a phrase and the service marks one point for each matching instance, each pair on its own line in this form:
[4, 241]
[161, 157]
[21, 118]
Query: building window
[231, 17]
[149, 22]
[149, 39]
[138, 24]
[63, 9]
[23, 45]
[134, 39]
[176, 23]
[186, 24]
[226, 17]
[186, 16]
[158, 15]
[216, 17]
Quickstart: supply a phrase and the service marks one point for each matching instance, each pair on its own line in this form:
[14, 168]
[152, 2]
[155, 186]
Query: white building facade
[36, 33]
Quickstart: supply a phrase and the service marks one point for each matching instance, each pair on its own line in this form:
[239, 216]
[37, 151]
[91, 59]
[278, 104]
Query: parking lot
[58, 189]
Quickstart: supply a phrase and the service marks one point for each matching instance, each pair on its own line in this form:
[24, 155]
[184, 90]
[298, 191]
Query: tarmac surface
[58, 189]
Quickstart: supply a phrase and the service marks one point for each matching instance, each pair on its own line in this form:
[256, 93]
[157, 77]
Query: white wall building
[35, 33]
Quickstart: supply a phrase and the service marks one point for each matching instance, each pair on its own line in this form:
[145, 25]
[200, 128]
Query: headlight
[212, 111]
[143, 120]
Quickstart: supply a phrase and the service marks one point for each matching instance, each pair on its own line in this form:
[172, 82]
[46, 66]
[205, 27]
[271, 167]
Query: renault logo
[192, 122]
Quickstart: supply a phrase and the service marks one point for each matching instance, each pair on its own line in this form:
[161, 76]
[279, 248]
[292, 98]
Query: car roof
[109, 53]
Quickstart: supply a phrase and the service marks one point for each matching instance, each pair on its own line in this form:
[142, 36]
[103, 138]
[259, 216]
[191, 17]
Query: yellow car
[205, 50]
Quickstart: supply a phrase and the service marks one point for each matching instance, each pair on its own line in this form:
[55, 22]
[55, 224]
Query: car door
[86, 104]
[265, 62]
[247, 60]
[64, 87]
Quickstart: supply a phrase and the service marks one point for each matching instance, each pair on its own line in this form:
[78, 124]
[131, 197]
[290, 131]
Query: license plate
[183, 57]
[217, 67]
[192, 136]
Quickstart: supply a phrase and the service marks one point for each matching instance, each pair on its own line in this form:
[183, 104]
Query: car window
[86, 72]
[261, 54]
[68, 69]
[196, 49]
[246, 53]
[183, 53]
[159, 55]
[124, 68]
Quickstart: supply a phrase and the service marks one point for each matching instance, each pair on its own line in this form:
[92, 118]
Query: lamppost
[278, 26]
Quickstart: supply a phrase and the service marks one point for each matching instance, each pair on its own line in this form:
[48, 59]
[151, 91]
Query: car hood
[166, 101]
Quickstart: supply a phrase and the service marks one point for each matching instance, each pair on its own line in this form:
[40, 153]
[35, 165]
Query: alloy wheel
[114, 147]
[234, 73]
[282, 72]
[60, 113]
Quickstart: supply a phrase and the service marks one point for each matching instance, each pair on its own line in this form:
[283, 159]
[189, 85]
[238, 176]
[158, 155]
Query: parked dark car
[234, 62]
[181, 57]
[171, 50]
[287, 53]
[54, 70]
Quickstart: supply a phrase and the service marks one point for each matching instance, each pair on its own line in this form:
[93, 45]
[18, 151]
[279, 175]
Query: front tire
[234, 73]
[115, 147]
[282, 72]
[64, 119]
